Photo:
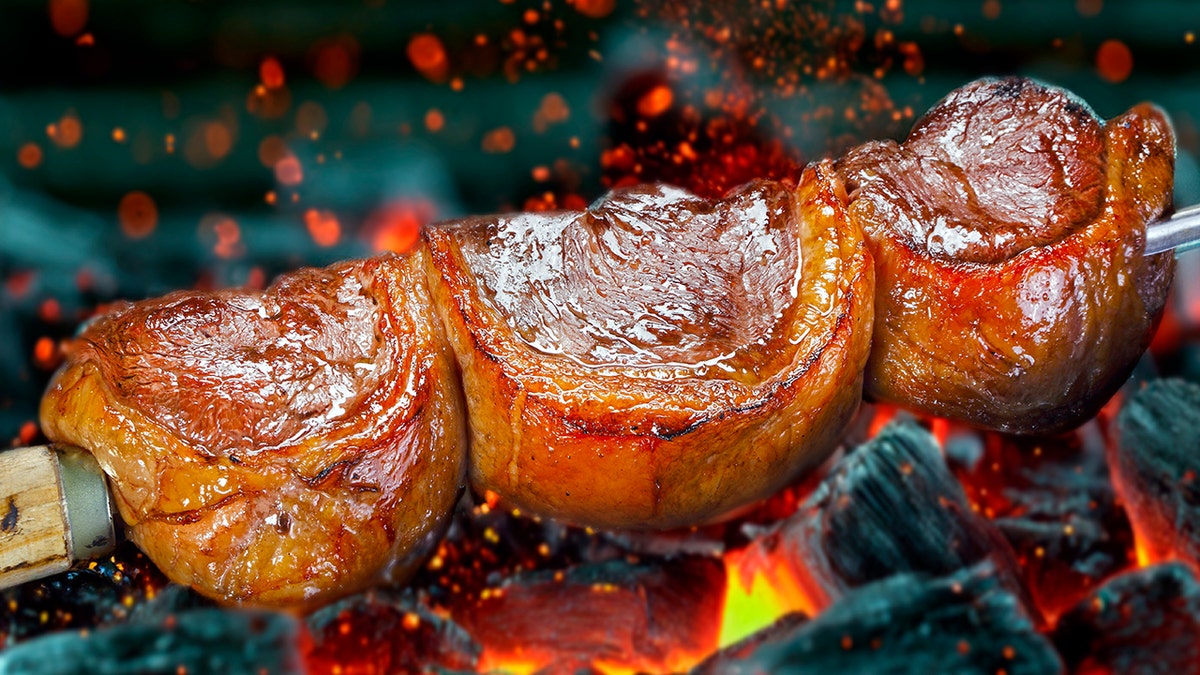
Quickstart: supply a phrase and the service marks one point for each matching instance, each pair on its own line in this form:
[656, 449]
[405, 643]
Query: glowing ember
[323, 227]
[271, 73]
[311, 119]
[759, 590]
[67, 132]
[335, 61]
[227, 233]
[288, 170]
[271, 150]
[668, 620]
[595, 8]
[138, 215]
[434, 120]
[218, 139]
[46, 354]
[267, 103]
[499, 140]
[553, 110]
[30, 155]
[655, 102]
[68, 17]
[1114, 61]
[428, 56]
[396, 227]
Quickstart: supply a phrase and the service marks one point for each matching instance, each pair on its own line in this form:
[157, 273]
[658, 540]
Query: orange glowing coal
[760, 589]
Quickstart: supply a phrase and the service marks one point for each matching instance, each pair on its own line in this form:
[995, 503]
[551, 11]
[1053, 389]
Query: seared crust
[1011, 287]
[276, 448]
[655, 435]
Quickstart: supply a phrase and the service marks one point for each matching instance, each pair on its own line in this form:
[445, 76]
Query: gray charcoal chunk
[198, 642]
[891, 506]
[1156, 468]
[1145, 622]
[909, 623]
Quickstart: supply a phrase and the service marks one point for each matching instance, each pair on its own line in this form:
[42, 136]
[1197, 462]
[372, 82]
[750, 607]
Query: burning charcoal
[890, 506]
[909, 623]
[1142, 622]
[199, 641]
[173, 599]
[654, 617]
[1157, 457]
[781, 629]
[1053, 500]
[486, 543]
[384, 633]
[97, 593]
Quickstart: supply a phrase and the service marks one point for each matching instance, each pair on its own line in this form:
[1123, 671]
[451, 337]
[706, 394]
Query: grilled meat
[1007, 233]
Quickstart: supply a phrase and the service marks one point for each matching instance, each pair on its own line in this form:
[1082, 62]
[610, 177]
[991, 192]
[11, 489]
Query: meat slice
[1007, 233]
[274, 448]
[658, 359]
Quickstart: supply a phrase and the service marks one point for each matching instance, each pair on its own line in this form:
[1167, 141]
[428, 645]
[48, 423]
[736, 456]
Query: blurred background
[152, 145]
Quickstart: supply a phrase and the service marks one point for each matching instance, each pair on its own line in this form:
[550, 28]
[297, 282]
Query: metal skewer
[1180, 232]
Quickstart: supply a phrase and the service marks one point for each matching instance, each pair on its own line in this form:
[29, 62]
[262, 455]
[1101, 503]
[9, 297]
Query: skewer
[55, 507]
[1180, 232]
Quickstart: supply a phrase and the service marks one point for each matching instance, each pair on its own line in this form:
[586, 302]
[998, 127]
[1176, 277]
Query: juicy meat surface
[658, 359]
[274, 448]
[1007, 233]
[655, 276]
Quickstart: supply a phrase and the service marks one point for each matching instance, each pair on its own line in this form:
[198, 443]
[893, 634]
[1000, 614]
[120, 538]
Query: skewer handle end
[55, 509]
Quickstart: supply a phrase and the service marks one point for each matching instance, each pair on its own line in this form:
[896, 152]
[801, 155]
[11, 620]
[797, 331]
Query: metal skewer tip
[1180, 232]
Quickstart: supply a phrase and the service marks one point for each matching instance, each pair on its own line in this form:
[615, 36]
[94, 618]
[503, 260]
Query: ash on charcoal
[1155, 467]
[384, 632]
[649, 616]
[890, 506]
[198, 641]
[910, 623]
[1053, 500]
[1145, 622]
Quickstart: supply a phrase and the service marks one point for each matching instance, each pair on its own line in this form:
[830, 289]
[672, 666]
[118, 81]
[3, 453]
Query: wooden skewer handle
[55, 509]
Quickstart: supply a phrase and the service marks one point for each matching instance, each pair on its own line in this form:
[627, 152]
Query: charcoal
[966, 622]
[486, 543]
[890, 506]
[1145, 622]
[781, 629]
[194, 642]
[1053, 500]
[648, 616]
[96, 593]
[1155, 467]
[386, 632]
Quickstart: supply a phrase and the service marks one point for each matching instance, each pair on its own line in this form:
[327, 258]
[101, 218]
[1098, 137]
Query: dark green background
[60, 217]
